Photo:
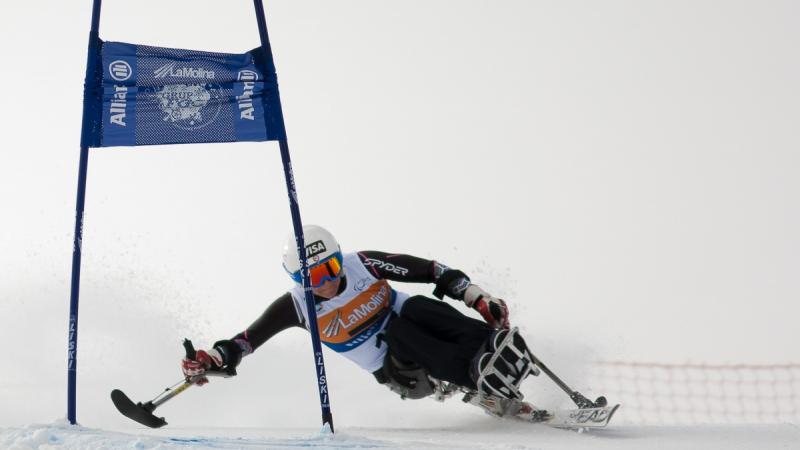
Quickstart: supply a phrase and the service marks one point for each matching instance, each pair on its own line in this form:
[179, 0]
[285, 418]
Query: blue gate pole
[72, 340]
[319, 362]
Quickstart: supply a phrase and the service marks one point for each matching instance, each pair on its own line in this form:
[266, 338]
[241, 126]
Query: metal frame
[72, 345]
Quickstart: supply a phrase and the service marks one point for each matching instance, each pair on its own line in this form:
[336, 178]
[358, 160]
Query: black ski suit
[428, 332]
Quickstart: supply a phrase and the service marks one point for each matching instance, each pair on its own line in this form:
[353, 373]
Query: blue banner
[152, 95]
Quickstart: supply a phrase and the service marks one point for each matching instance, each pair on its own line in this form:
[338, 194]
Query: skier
[407, 342]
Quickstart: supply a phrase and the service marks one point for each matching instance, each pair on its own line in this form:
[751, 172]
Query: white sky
[624, 173]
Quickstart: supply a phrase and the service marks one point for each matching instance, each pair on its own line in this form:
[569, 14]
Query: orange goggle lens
[326, 270]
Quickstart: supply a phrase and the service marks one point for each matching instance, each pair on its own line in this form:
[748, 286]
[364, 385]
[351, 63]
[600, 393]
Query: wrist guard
[450, 282]
[231, 354]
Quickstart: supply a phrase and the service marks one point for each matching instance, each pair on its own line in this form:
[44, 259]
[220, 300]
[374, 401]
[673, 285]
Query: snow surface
[481, 434]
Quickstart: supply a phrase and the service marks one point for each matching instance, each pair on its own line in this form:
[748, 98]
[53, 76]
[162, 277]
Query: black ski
[138, 412]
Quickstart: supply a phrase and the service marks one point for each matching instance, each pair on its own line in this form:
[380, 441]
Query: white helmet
[320, 247]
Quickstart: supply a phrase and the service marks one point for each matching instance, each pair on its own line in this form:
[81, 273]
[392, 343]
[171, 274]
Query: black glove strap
[444, 281]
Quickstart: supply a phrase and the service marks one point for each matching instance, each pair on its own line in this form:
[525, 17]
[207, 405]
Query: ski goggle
[328, 269]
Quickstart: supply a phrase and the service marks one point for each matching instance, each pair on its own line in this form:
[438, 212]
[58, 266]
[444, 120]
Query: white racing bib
[350, 322]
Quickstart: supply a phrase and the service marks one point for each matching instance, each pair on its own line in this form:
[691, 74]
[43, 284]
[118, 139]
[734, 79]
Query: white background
[624, 173]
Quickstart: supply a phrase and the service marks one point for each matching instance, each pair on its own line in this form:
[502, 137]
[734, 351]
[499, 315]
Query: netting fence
[680, 394]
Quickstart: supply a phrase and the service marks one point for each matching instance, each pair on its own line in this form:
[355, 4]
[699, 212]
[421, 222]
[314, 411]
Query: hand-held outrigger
[143, 412]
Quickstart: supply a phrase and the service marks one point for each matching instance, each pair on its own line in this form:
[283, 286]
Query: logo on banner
[189, 106]
[120, 70]
[169, 70]
[248, 79]
[118, 106]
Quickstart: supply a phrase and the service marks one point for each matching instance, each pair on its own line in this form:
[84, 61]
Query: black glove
[224, 356]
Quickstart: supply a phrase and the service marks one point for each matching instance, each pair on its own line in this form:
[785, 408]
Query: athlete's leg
[436, 336]
[445, 322]
[443, 360]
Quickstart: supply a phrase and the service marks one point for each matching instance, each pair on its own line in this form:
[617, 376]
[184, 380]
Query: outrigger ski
[143, 412]
[138, 412]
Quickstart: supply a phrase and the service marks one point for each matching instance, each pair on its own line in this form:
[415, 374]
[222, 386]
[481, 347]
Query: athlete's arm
[412, 269]
[450, 282]
[279, 316]
[228, 353]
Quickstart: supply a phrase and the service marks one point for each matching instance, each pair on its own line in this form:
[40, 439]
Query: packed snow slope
[480, 433]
